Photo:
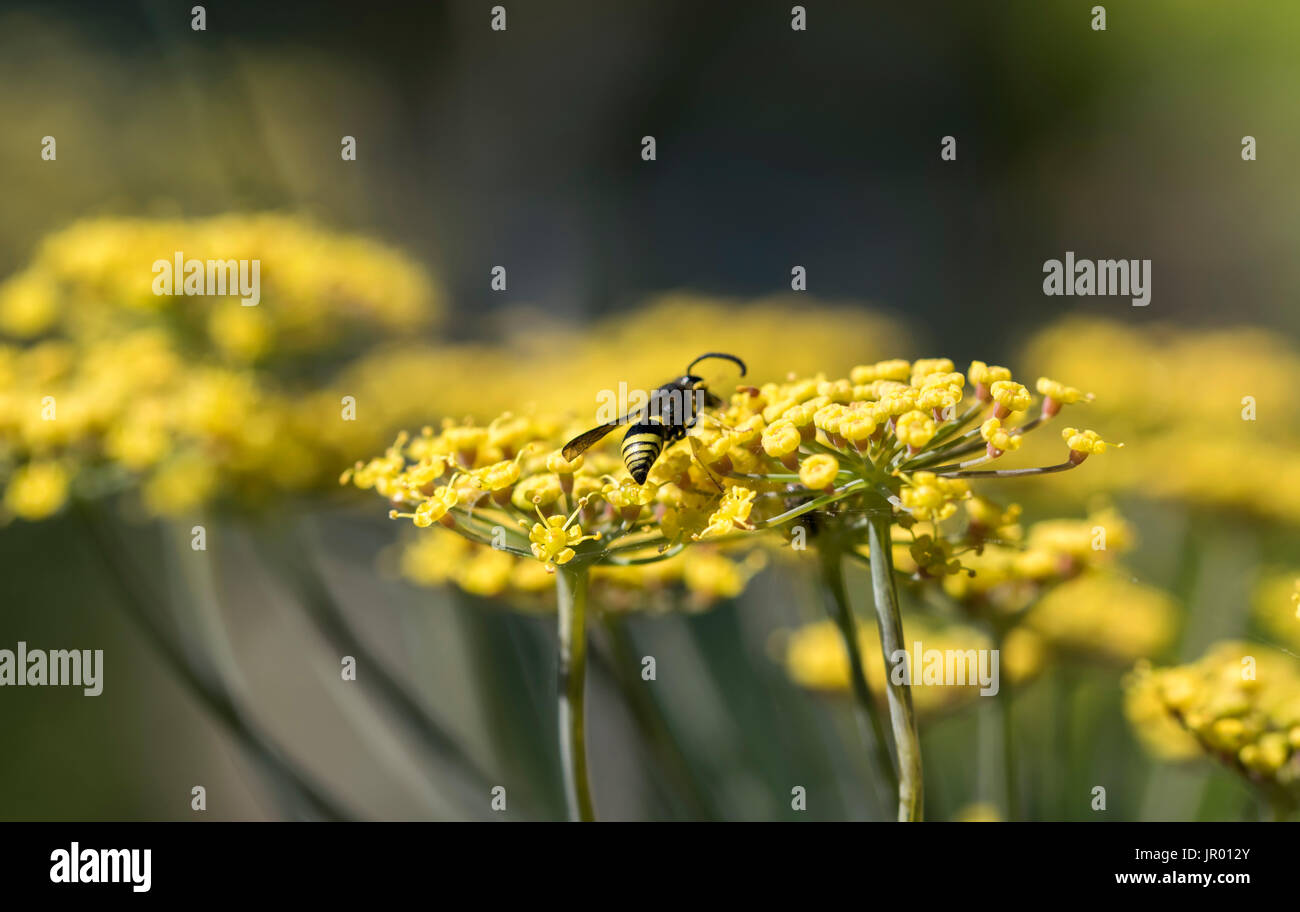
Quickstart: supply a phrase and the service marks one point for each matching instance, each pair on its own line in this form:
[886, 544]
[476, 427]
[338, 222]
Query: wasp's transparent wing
[585, 441]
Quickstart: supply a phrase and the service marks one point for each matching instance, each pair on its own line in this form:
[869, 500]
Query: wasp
[671, 411]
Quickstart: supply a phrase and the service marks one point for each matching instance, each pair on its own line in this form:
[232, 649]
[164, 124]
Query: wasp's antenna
[724, 355]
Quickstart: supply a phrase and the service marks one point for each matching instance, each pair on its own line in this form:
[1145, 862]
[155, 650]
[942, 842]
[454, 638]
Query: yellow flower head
[929, 496]
[1239, 704]
[819, 471]
[553, 539]
[781, 438]
[499, 476]
[1106, 617]
[1010, 397]
[628, 497]
[1000, 439]
[37, 490]
[932, 557]
[915, 429]
[1083, 444]
[557, 464]
[1057, 394]
[434, 509]
[924, 367]
[732, 513]
[542, 490]
[1276, 607]
[939, 397]
[710, 575]
[815, 658]
[828, 417]
[984, 375]
[857, 425]
[897, 369]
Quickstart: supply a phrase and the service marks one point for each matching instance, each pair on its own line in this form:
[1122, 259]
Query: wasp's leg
[720, 423]
[695, 454]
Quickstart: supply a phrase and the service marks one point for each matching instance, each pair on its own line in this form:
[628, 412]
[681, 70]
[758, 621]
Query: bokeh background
[521, 148]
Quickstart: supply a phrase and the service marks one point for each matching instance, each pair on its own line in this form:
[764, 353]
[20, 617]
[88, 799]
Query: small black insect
[672, 410]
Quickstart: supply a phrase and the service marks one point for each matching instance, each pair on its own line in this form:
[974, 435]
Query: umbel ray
[672, 410]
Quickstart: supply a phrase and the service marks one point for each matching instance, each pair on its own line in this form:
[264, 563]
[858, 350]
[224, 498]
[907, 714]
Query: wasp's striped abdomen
[641, 447]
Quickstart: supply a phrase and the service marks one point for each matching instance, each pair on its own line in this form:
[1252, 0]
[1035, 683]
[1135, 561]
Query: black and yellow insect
[671, 411]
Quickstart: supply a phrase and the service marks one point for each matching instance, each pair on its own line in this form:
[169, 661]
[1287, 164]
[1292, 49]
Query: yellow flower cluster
[906, 433]
[815, 658]
[1055, 579]
[1210, 407]
[1006, 568]
[131, 407]
[767, 456]
[695, 579]
[318, 288]
[520, 507]
[1105, 617]
[1239, 703]
[110, 386]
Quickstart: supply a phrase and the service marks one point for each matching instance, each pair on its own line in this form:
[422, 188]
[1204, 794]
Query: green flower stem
[841, 612]
[960, 422]
[955, 470]
[1006, 701]
[839, 494]
[571, 597]
[970, 442]
[902, 715]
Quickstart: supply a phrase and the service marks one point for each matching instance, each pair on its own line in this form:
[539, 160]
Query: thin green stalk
[868, 714]
[902, 715]
[1006, 704]
[571, 598]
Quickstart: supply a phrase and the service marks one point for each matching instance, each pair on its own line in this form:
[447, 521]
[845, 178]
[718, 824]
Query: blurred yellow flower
[980, 812]
[1106, 617]
[36, 490]
[110, 377]
[815, 658]
[1276, 607]
[1239, 704]
[28, 305]
[1236, 444]
[319, 287]
[702, 575]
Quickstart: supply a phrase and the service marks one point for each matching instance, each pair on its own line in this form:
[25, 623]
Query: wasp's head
[697, 384]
